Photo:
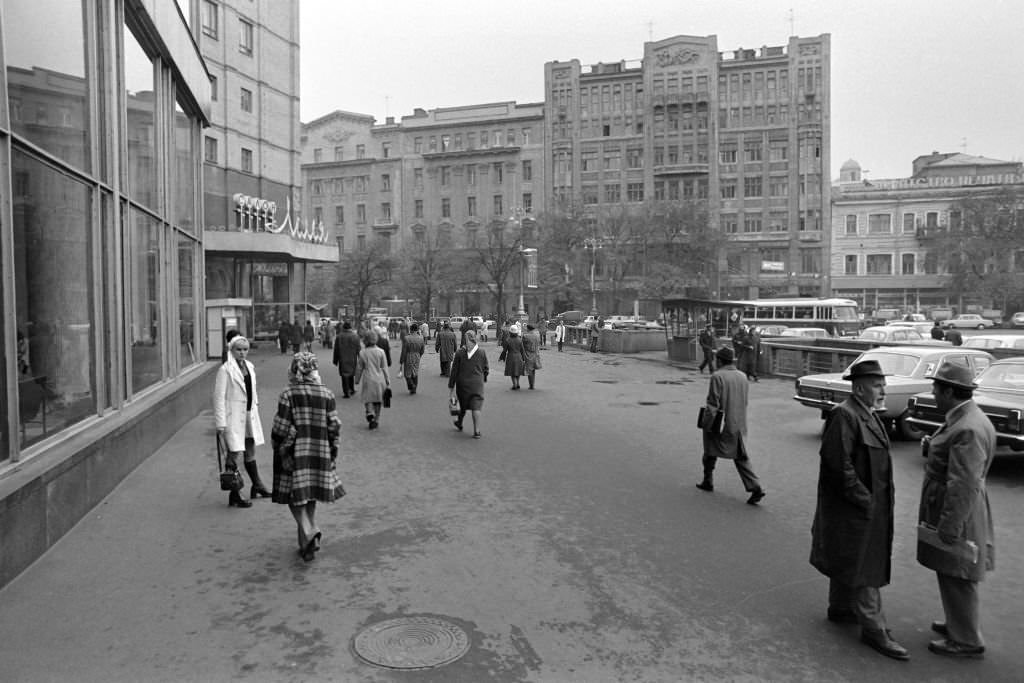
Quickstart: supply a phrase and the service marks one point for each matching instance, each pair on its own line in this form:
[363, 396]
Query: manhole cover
[411, 643]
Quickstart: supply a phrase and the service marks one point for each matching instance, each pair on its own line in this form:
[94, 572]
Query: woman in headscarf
[466, 383]
[531, 347]
[515, 356]
[305, 439]
[372, 377]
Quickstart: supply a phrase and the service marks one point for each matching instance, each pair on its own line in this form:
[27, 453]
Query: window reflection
[186, 299]
[48, 88]
[185, 165]
[147, 367]
[54, 293]
[138, 76]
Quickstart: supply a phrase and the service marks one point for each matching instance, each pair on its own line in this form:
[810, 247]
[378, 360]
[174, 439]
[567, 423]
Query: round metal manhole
[411, 643]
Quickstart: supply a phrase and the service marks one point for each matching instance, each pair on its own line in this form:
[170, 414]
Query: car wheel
[980, 327]
[907, 431]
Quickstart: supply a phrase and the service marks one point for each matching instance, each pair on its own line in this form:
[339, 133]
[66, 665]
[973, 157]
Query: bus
[686, 317]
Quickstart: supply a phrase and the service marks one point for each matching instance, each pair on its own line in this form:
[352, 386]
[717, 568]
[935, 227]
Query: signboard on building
[773, 267]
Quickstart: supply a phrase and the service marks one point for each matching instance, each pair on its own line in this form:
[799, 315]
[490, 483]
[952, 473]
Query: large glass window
[48, 84]
[141, 105]
[187, 249]
[184, 180]
[144, 298]
[53, 283]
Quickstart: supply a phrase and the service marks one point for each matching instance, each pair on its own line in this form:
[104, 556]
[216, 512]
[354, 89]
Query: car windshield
[1002, 376]
[892, 363]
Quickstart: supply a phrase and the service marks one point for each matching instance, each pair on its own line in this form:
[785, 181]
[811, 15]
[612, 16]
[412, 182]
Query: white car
[994, 341]
[969, 321]
[812, 332]
[885, 334]
[924, 328]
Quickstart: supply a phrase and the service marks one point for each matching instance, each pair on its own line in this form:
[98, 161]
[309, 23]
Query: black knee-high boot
[258, 489]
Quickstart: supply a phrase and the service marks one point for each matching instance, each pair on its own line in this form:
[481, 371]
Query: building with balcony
[882, 252]
[101, 246]
[258, 244]
[744, 133]
[444, 176]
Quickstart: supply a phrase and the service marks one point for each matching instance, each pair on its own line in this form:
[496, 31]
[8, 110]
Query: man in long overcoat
[727, 393]
[445, 344]
[851, 536]
[954, 502]
[346, 351]
[296, 336]
[409, 359]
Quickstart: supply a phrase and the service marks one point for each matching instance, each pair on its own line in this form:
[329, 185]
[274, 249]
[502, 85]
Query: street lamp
[521, 313]
[593, 244]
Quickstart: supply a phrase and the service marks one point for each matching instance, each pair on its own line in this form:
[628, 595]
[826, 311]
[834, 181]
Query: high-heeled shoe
[258, 490]
[235, 500]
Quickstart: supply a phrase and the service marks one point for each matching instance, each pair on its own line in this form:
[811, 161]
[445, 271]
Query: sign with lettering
[260, 215]
[947, 181]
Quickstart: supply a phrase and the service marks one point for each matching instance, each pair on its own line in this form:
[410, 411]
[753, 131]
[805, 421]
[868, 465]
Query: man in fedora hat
[727, 393]
[955, 503]
[853, 522]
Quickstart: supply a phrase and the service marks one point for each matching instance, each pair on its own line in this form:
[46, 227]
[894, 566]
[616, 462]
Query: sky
[909, 77]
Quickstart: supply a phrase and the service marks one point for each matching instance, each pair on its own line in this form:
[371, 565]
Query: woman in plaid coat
[305, 440]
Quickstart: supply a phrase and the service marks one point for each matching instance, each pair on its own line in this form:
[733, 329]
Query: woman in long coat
[236, 412]
[372, 377]
[305, 439]
[531, 347]
[346, 352]
[515, 356]
[445, 345]
[409, 359]
[466, 384]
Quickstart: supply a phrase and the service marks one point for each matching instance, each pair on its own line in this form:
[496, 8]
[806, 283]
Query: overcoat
[559, 332]
[515, 356]
[468, 376]
[412, 351]
[851, 536]
[953, 496]
[306, 427]
[531, 344]
[727, 392]
[371, 374]
[384, 345]
[229, 406]
[445, 344]
[346, 351]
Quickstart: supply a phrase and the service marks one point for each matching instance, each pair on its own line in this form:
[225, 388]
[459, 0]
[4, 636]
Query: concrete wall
[44, 497]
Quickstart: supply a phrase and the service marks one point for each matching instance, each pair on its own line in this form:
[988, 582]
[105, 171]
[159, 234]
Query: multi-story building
[882, 254]
[746, 131]
[258, 244]
[444, 175]
[101, 245]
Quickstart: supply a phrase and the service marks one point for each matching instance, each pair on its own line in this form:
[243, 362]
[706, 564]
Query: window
[446, 176]
[339, 215]
[851, 224]
[246, 100]
[526, 136]
[879, 223]
[779, 187]
[752, 152]
[528, 202]
[635, 192]
[417, 208]
[499, 173]
[879, 264]
[318, 214]
[810, 261]
[213, 88]
[245, 36]
[730, 225]
[527, 170]
[385, 149]
[470, 206]
[385, 182]
[446, 207]
[417, 178]
[635, 158]
[728, 188]
[588, 160]
[385, 210]
[318, 155]
[908, 222]
[727, 156]
[850, 264]
[317, 188]
[499, 208]
[210, 150]
[458, 141]
[360, 213]
[209, 19]
[471, 238]
[777, 151]
[931, 263]
[446, 143]
[361, 242]
[247, 160]
[360, 151]
[613, 193]
[931, 219]
[751, 225]
[752, 187]
[417, 145]
[589, 194]
[907, 264]
[612, 158]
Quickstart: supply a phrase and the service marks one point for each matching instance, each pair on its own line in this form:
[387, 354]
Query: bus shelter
[685, 318]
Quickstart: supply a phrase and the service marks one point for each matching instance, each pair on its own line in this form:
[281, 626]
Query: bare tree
[361, 274]
[498, 256]
[429, 268]
[683, 249]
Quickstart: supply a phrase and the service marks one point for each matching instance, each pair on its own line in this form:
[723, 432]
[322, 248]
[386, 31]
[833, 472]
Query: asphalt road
[570, 543]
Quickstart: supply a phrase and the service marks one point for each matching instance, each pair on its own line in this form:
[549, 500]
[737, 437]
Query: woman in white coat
[236, 409]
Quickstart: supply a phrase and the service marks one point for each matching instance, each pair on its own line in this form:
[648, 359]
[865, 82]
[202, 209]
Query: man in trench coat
[955, 503]
[727, 393]
[853, 523]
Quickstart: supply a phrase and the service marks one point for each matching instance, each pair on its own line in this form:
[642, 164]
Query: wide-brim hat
[865, 368]
[955, 375]
[514, 329]
[725, 354]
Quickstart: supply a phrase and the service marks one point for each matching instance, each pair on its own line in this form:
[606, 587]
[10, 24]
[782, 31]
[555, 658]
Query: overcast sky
[908, 76]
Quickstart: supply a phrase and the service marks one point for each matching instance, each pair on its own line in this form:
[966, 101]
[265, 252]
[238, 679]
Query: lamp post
[593, 244]
[523, 253]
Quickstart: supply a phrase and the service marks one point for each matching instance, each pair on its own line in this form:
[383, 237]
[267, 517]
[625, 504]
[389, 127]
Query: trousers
[746, 472]
[865, 601]
[960, 603]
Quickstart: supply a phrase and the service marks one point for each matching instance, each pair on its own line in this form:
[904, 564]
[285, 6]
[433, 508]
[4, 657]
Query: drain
[411, 643]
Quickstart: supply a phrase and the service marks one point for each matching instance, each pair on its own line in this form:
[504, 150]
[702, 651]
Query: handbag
[230, 480]
[453, 406]
[387, 397]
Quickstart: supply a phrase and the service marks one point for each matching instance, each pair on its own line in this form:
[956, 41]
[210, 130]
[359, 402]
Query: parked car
[908, 370]
[923, 328]
[995, 341]
[771, 330]
[969, 321]
[887, 334]
[812, 332]
[1000, 395]
[1017, 320]
[590, 321]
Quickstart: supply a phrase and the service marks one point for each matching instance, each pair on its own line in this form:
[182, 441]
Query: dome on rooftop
[849, 172]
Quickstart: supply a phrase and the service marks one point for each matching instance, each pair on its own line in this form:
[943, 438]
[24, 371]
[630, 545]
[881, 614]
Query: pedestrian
[345, 355]
[308, 335]
[236, 412]
[531, 346]
[542, 325]
[502, 333]
[595, 333]
[560, 333]
[231, 334]
[284, 334]
[305, 439]
[295, 338]
[753, 353]
[466, 326]
[727, 394]
[937, 332]
[707, 342]
[954, 502]
[383, 343]
[853, 522]
[741, 347]
[445, 345]
[514, 356]
[466, 383]
[953, 336]
[409, 359]
[372, 377]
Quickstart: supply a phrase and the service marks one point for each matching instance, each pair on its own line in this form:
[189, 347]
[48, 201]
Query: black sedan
[1000, 394]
